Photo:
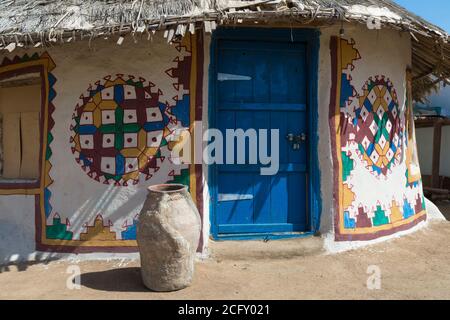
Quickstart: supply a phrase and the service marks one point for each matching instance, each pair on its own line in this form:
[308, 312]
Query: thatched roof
[41, 16]
[35, 22]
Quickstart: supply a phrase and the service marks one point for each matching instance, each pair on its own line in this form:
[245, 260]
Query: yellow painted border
[410, 127]
[192, 115]
[24, 192]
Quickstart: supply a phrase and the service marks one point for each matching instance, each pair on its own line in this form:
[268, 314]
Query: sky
[435, 11]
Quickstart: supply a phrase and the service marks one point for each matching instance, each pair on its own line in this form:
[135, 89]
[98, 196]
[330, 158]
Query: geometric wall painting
[373, 152]
[122, 133]
[377, 126]
[119, 129]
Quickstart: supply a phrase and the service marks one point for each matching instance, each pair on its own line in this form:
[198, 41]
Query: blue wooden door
[262, 85]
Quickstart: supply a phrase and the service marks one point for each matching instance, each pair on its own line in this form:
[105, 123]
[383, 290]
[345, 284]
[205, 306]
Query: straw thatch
[34, 23]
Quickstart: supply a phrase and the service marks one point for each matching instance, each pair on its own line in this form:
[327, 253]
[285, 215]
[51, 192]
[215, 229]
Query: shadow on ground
[120, 280]
[23, 265]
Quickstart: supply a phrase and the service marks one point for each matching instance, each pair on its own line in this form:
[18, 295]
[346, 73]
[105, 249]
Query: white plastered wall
[17, 231]
[383, 52]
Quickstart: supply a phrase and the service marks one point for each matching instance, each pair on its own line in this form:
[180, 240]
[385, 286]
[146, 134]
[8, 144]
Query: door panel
[262, 85]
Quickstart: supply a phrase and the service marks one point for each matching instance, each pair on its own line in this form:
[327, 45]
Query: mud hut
[95, 96]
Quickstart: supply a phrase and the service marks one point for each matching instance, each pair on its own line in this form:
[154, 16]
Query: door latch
[296, 140]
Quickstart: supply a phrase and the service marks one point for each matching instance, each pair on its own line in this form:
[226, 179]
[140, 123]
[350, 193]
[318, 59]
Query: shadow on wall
[119, 280]
[444, 206]
[18, 250]
[18, 246]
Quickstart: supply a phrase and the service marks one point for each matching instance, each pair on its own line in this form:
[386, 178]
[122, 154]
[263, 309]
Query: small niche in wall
[20, 108]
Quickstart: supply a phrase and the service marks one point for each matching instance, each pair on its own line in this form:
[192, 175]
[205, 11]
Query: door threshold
[262, 236]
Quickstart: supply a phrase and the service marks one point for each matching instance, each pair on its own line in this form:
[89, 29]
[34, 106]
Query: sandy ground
[415, 266]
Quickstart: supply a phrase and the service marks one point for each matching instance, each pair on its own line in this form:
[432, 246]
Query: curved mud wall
[100, 148]
[377, 182]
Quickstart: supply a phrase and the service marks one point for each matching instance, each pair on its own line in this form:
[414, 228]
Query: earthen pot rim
[167, 188]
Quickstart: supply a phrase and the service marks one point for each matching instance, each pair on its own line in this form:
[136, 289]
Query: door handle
[296, 140]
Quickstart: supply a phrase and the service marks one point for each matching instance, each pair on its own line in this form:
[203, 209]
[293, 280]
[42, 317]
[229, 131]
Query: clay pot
[167, 234]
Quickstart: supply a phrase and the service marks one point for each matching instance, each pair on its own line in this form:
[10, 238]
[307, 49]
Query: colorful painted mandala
[379, 128]
[119, 129]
